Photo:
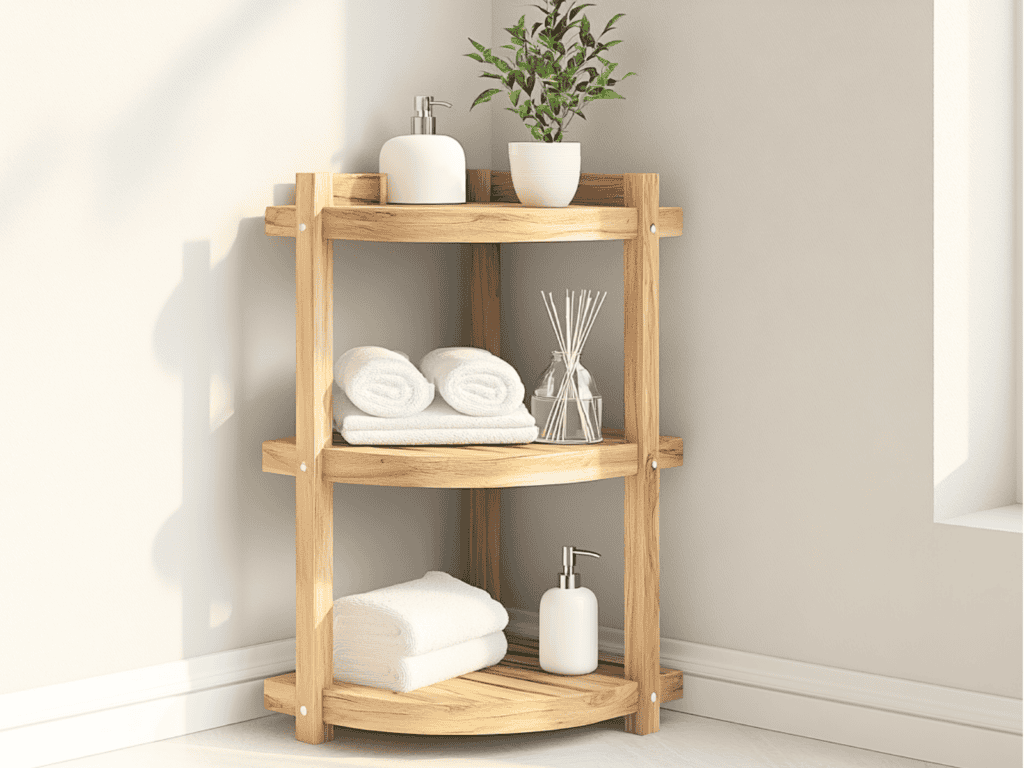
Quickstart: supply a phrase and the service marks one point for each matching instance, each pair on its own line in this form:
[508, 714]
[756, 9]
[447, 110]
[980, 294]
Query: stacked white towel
[418, 633]
[381, 382]
[473, 381]
[439, 424]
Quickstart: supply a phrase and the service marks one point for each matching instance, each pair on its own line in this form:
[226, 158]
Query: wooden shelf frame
[513, 696]
[353, 207]
[474, 466]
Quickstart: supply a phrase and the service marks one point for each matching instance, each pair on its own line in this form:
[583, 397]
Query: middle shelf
[474, 466]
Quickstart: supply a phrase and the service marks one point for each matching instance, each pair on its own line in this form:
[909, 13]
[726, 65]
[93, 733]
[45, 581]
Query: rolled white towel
[407, 673]
[415, 617]
[473, 381]
[381, 382]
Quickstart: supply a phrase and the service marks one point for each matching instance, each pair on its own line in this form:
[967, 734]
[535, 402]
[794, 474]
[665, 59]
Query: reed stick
[580, 314]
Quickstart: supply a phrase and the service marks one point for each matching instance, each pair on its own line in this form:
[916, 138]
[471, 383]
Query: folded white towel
[407, 673]
[382, 383]
[415, 617]
[473, 381]
[438, 424]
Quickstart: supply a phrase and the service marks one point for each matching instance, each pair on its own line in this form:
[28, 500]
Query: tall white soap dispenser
[424, 167]
[568, 622]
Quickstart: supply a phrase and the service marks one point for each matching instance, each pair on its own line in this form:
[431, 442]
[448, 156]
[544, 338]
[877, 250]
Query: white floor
[684, 741]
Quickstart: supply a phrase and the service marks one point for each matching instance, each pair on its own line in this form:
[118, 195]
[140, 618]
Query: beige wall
[796, 349]
[149, 323]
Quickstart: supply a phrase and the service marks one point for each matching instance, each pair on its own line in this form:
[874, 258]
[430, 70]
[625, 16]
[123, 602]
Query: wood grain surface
[514, 696]
[314, 494]
[474, 466]
[359, 189]
[280, 221]
[481, 507]
[641, 577]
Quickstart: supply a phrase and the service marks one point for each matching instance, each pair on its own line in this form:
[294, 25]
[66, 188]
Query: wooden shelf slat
[474, 223]
[474, 466]
[514, 696]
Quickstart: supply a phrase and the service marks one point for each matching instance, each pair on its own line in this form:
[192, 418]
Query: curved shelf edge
[474, 223]
[474, 466]
[514, 696]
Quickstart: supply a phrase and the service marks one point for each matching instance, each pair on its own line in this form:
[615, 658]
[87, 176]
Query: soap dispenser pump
[424, 167]
[568, 621]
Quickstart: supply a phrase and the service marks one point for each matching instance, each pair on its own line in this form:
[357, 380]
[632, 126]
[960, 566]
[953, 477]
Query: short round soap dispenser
[424, 167]
[568, 622]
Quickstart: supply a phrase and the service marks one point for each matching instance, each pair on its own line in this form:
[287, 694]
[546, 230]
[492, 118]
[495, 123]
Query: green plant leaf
[627, 75]
[477, 45]
[514, 97]
[485, 96]
[575, 11]
[611, 21]
[492, 74]
[475, 56]
[605, 93]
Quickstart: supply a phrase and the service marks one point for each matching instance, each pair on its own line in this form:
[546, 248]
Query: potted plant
[558, 68]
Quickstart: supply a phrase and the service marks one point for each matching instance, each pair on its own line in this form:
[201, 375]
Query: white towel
[407, 673]
[415, 617]
[381, 382]
[438, 424]
[473, 381]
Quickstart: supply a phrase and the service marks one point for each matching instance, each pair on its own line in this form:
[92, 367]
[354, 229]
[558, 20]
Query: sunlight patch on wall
[952, 238]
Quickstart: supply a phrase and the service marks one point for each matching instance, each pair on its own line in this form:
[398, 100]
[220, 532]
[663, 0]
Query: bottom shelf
[514, 696]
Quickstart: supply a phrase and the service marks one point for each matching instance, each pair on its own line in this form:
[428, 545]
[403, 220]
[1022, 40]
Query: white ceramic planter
[545, 175]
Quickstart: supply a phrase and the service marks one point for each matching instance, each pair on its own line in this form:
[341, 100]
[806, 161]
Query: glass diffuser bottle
[577, 395]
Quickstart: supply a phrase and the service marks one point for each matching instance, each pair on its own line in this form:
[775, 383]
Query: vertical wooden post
[642, 621]
[482, 506]
[314, 496]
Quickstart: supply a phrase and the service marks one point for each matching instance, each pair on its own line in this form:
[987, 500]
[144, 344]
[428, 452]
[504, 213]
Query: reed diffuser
[566, 403]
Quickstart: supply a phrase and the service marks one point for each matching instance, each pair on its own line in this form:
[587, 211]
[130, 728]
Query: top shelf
[597, 213]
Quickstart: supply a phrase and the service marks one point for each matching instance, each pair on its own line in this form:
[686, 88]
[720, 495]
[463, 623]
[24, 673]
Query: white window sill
[1010, 519]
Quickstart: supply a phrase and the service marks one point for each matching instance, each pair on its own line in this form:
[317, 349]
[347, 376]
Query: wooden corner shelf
[476, 223]
[473, 466]
[515, 695]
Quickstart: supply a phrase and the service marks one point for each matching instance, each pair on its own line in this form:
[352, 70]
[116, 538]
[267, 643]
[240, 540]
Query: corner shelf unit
[515, 695]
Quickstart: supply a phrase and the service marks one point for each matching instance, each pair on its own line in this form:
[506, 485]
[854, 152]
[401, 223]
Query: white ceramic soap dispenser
[568, 622]
[424, 167]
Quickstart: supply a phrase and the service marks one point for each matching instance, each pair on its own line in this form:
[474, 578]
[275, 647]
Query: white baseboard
[926, 722]
[900, 717]
[86, 717]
